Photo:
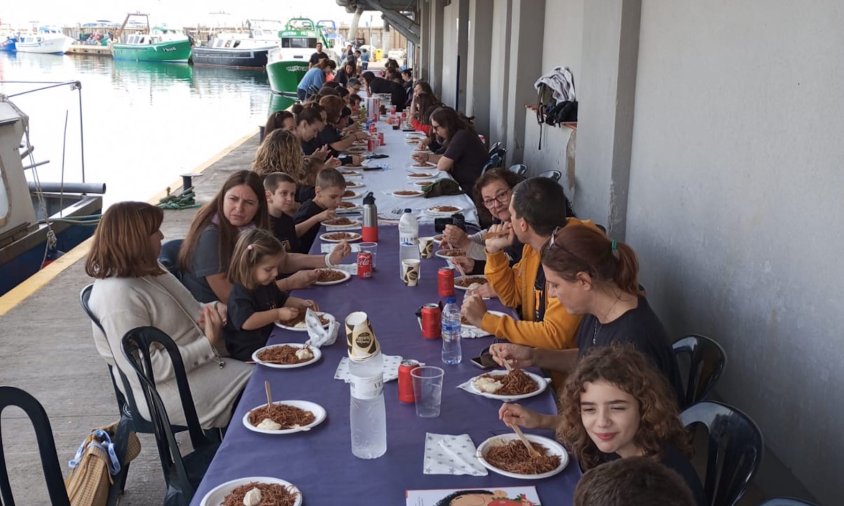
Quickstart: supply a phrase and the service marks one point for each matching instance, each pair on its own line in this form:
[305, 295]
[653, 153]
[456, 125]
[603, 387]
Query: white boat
[48, 40]
[237, 49]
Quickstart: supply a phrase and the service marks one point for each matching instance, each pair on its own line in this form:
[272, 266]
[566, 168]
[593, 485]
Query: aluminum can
[364, 264]
[392, 109]
[371, 144]
[431, 316]
[406, 382]
[373, 128]
[380, 138]
[445, 282]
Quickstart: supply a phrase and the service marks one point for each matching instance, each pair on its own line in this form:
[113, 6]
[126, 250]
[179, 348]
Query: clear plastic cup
[428, 390]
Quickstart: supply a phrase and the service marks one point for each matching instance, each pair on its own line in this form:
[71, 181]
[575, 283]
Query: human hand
[423, 143]
[320, 154]
[420, 157]
[328, 214]
[499, 237]
[213, 324]
[333, 163]
[339, 252]
[464, 263]
[516, 414]
[357, 160]
[515, 355]
[361, 136]
[485, 291]
[302, 279]
[302, 304]
[285, 314]
[473, 309]
[456, 237]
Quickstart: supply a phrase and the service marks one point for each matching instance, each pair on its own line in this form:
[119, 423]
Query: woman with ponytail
[596, 277]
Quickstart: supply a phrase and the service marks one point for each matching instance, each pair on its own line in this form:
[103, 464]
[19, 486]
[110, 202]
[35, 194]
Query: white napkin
[329, 247]
[391, 368]
[472, 332]
[447, 454]
[318, 334]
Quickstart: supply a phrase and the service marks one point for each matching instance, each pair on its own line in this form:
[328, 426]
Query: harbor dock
[48, 350]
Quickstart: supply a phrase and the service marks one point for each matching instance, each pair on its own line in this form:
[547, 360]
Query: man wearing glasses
[538, 206]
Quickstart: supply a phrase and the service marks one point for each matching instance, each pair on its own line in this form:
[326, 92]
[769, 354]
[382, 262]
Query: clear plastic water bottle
[367, 415]
[408, 238]
[452, 347]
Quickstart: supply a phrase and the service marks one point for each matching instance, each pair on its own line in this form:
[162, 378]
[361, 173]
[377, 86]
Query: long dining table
[319, 461]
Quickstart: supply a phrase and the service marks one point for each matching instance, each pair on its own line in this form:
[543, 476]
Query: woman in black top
[464, 154]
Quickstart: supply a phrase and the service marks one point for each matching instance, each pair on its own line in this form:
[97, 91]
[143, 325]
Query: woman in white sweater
[132, 290]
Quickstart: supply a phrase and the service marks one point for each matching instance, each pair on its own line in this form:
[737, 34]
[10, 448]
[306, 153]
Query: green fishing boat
[160, 44]
[287, 64]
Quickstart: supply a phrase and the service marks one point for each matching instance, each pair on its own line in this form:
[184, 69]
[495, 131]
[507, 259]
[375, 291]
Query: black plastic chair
[551, 174]
[493, 162]
[182, 473]
[11, 396]
[169, 256]
[519, 168]
[494, 148]
[706, 360]
[734, 450]
[786, 501]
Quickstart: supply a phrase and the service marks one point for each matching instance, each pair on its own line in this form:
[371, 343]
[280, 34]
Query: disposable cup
[428, 390]
[410, 272]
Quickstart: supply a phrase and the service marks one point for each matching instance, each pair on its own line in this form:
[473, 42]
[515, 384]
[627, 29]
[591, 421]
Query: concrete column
[423, 51]
[435, 50]
[499, 69]
[479, 51]
[455, 43]
[606, 95]
[526, 37]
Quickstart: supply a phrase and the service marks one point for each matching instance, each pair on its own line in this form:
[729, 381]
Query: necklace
[598, 325]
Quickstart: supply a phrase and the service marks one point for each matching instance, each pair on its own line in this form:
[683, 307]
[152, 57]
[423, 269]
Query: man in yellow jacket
[537, 208]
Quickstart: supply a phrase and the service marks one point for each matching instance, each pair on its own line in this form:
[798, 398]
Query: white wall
[735, 207]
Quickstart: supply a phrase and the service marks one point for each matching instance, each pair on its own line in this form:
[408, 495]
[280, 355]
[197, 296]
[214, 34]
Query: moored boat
[48, 40]
[289, 63]
[160, 44]
[7, 43]
[38, 221]
[237, 49]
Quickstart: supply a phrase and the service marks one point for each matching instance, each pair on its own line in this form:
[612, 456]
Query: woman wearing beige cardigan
[132, 290]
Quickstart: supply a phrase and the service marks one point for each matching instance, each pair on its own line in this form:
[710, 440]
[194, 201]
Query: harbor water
[144, 123]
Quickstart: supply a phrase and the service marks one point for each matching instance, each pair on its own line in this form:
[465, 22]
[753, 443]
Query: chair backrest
[706, 360]
[551, 174]
[494, 148]
[136, 347]
[786, 501]
[519, 168]
[11, 396]
[169, 256]
[493, 162]
[734, 450]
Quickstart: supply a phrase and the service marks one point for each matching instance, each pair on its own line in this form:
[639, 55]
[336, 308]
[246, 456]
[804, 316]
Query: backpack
[556, 100]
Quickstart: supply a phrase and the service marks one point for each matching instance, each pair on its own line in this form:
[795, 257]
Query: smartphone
[480, 362]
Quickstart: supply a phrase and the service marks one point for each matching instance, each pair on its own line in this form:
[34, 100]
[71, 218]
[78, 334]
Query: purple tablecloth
[320, 461]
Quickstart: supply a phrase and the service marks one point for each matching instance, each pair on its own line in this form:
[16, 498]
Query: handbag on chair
[97, 460]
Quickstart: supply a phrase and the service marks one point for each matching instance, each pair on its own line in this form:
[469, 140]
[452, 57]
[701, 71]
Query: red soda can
[372, 127]
[392, 109]
[431, 315]
[445, 282]
[370, 145]
[406, 382]
[380, 138]
[364, 264]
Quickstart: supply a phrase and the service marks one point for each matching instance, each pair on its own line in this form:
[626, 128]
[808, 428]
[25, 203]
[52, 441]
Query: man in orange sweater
[538, 206]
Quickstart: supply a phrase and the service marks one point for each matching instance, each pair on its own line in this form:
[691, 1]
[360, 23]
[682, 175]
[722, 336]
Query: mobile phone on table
[484, 360]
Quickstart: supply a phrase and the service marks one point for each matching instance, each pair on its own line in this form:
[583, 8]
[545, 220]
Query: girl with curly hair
[281, 152]
[616, 405]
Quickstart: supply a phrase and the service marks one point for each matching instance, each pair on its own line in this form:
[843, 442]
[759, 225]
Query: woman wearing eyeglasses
[494, 189]
[596, 277]
[464, 155]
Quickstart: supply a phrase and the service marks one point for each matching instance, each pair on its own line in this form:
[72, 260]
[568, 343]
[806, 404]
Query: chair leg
[117, 488]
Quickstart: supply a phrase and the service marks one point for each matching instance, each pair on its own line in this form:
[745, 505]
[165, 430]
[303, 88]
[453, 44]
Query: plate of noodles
[508, 386]
[287, 355]
[508, 456]
[284, 417]
[298, 324]
[331, 276]
[270, 491]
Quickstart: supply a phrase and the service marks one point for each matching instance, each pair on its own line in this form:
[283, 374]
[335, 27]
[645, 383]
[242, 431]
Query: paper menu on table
[503, 496]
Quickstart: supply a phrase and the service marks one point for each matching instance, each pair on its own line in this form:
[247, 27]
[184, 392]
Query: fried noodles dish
[445, 209]
[349, 193]
[342, 220]
[466, 281]
[339, 236]
[283, 414]
[513, 457]
[283, 355]
[328, 275]
[515, 382]
[407, 192]
[346, 205]
[272, 494]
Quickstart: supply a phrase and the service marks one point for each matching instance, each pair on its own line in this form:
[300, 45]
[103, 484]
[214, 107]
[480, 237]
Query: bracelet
[328, 260]
[217, 310]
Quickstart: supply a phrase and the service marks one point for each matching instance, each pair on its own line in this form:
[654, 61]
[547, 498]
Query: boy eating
[329, 189]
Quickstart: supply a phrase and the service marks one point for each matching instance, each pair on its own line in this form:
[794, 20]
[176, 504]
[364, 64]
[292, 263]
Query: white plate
[299, 327]
[554, 448]
[468, 326]
[349, 172]
[351, 185]
[316, 409]
[438, 238]
[428, 166]
[347, 210]
[354, 224]
[416, 194]
[326, 283]
[354, 236]
[542, 382]
[432, 211]
[353, 196]
[215, 497]
[468, 276]
[315, 351]
[446, 257]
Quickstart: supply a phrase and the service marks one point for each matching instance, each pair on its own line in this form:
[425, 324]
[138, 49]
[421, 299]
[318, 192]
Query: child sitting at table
[329, 189]
[255, 302]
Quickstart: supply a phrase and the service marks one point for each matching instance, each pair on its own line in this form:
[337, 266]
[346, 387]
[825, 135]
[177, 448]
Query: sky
[174, 12]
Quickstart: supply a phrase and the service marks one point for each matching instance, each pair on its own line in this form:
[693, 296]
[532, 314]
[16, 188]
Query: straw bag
[97, 460]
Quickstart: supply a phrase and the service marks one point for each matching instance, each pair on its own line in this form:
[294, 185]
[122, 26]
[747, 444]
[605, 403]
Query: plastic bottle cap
[450, 300]
[408, 210]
